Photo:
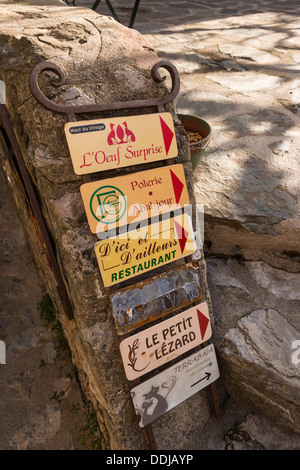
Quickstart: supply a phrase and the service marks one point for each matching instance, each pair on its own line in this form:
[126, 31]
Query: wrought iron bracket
[71, 110]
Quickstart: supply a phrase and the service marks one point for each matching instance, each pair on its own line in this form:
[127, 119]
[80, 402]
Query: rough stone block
[260, 364]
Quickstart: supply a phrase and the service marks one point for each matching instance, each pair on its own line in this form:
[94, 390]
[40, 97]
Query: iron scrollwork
[72, 110]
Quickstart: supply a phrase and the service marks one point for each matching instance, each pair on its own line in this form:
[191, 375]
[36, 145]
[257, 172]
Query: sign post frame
[70, 111]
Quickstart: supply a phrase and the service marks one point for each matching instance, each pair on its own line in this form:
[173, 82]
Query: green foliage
[48, 314]
[57, 396]
[46, 309]
[42, 364]
[90, 432]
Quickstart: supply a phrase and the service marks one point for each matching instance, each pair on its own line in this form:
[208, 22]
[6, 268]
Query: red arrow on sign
[177, 186]
[182, 235]
[167, 134]
[203, 322]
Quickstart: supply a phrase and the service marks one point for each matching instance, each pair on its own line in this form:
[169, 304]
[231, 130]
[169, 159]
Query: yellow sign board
[115, 202]
[111, 143]
[139, 251]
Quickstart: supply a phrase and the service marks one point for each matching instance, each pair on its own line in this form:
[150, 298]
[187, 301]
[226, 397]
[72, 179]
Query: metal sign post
[124, 142]
[72, 111]
[114, 14]
[34, 205]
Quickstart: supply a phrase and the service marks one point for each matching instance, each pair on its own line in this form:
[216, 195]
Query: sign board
[144, 249]
[165, 341]
[117, 142]
[166, 390]
[152, 298]
[114, 202]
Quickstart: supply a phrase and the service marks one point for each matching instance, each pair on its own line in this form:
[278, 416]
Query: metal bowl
[199, 135]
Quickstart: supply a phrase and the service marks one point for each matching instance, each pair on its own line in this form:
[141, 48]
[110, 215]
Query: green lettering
[140, 267]
[133, 269]
[127, 272]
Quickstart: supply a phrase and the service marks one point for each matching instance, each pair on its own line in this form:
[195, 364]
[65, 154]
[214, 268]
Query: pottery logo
[108, 204]
[120, 135]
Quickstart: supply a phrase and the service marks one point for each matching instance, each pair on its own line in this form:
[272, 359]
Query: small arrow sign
[145, 350]
[203, 322]
[167, 134]
[177, 186]
[207, 377]
[118, 201]
[160, 234]
[182, 235]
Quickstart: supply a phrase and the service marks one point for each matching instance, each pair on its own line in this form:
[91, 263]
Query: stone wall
[248, 180]
[103, 62]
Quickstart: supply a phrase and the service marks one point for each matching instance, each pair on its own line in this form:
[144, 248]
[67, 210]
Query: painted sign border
[173, 232]
[115, 202]
[117, 142]
[145, 351]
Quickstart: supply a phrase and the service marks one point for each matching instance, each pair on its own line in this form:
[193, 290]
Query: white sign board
[165, 341]
[166, 390]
